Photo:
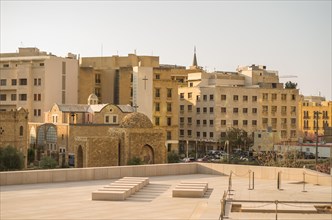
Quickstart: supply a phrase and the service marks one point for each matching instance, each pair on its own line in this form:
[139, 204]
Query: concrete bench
[195, 183]
[139, 184]
[191, 193]
[127, 191]
[134, 186]
[120, 187]
[145, 179]
[109, 195]
[204, 188]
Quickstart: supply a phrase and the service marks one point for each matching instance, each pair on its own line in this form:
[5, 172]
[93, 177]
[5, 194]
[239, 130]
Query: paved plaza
[72, 200]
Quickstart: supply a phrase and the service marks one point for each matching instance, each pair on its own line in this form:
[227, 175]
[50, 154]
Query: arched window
[21, 130]
[51, 136]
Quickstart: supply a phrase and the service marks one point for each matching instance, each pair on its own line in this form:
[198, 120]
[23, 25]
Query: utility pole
[316, 114]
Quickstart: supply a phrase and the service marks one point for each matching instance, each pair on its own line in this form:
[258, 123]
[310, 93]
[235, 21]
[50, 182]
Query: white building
[36, 80]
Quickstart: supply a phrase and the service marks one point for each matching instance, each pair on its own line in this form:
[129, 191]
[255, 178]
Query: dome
[92, 99]
[136, 120]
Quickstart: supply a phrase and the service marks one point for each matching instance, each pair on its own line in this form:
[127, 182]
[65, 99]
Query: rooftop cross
[145, 81]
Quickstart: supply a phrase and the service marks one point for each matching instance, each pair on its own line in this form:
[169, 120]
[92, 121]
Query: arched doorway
[147, 154]
[80, 157]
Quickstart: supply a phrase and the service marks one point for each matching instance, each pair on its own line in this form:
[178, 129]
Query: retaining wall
[99, 173]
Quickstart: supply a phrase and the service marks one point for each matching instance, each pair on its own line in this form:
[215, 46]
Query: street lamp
[316, 114]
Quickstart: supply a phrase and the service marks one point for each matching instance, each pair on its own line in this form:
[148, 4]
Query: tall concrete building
[140, 81]
[251, 99]
[309, 122]
[36, 80]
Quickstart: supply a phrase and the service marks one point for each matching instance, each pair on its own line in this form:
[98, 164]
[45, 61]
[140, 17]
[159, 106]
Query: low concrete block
[127, 191]
[191, 193]
[109, 195]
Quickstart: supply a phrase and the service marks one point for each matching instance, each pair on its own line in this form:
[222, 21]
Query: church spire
[195, 59]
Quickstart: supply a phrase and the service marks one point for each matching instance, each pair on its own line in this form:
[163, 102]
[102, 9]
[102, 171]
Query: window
[37, 112]
[198, 98]
[274, 109]
[54, 118]
[254, 98]
[63, 68]
[189, 133]
[169, 107]
[107, 119]
[181, 95]
[198, 122]
[204, 134]
[181, 120]
[283, 97]
[254, 122]
[21, 130]
[204, 109]
[97, 79]
[97, 92]
[37, 97]
[211, 97]
[23, 82]
[14, 82]
[204, 97]
[13, 97]
[169, 135]
[235, 110]
[245, 98]
[245, 110]
[235, 97]
[41, 64]
[211, 134]
[265, 96]
[182, 108]
[3, 82]
[198, 110]
[254, 110]
[223, 97]
[169, 121]
[223, 110]
[191, 84]
[274, 96]
[157, 121]
[190, 95]
[245, 122]
[3, 97]
[293, 97]
[39, 82]
[5, 65]
[111, 119]
[223, 122]
[265, 109]
[169, 93]
[157, 106]
[190, 108]
[198, 134]
[189, 120]
[211, 122]
[211, 109]
[235, 122]
[222, 134]
[157, 92]
[157, 76]
[181, 133]
[204, 122]
[22, 97]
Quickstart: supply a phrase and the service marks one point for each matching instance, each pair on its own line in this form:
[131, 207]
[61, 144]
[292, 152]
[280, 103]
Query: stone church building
[96, 135]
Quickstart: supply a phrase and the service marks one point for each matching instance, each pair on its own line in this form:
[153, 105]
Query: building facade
[14, 130]
[309, 122]
[251, 99]
[36, 80]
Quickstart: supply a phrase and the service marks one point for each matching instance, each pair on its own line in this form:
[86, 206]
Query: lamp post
[316, 114]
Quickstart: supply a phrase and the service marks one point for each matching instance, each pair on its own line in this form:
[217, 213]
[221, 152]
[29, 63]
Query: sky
[292, 37]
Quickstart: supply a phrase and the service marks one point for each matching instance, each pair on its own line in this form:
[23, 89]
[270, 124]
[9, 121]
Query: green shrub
[11, 159]
[135, 161]
[173, 157]
[31, 155]
[48, 163]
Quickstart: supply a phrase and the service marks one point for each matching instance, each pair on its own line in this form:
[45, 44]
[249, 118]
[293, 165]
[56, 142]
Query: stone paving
[72, 200]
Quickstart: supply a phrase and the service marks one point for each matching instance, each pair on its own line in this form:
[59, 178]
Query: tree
[11, 159]
[290, 85]
[31, 155]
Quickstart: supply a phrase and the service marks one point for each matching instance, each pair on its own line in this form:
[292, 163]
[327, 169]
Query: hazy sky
[293, 37]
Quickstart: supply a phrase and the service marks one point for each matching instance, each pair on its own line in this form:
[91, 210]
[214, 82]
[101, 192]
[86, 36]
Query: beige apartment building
[35, 80]
[308, 123]
[251, 99]
[140, 81]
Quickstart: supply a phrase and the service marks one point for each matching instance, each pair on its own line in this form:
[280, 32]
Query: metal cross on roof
[145, 81]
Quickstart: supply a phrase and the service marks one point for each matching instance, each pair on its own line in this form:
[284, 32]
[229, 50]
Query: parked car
[309, 155]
